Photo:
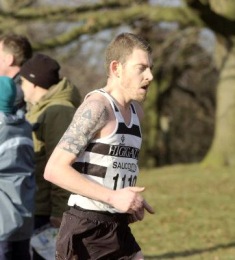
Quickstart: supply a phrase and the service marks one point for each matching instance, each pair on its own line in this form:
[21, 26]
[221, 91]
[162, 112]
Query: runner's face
[136, 75]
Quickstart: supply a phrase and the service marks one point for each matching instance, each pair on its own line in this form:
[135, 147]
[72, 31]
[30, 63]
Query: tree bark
[222, 152]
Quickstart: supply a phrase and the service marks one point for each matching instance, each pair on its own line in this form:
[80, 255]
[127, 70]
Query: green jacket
[50, 118]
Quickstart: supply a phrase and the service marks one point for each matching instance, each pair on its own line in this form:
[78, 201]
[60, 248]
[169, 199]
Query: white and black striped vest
[112, 160]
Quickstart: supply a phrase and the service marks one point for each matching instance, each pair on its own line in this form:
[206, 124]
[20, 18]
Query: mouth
[145, 87]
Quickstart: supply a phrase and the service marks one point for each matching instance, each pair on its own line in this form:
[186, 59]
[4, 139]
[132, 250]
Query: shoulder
[93, 110]
[96, 96]
[96, 102]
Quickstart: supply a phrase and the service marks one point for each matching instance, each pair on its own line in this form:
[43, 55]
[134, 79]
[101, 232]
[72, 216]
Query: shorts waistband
[99, 215]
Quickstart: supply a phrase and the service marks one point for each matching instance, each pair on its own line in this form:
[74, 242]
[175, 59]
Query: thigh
[70, 239]
[106, 241]
[127, 243]
[64, 241]
[138, 256]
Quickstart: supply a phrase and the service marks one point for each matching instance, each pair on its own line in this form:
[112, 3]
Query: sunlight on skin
[138, 256]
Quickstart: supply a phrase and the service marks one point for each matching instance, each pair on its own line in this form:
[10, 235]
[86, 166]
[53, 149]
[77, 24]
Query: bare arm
[90, 117]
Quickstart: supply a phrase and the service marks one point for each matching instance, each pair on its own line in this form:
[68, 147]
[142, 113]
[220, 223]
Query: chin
[141, 99]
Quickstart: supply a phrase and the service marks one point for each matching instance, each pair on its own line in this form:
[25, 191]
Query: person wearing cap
[15, 49]
[17, 180]
[52, 104]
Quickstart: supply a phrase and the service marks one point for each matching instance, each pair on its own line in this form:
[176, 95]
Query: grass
[195, 213]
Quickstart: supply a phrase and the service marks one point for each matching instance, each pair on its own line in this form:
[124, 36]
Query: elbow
[49, 172]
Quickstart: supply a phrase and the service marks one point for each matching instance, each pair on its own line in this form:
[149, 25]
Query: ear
[115, 68]
[9, 59]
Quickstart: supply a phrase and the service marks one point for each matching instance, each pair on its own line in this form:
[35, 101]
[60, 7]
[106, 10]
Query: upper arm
[89, 118]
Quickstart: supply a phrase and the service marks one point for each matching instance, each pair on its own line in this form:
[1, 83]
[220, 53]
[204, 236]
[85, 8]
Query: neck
[12, 72]
[119, 96]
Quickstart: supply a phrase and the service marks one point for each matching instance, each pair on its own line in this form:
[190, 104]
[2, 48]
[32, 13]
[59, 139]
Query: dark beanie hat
[7, 94]
[41, 70]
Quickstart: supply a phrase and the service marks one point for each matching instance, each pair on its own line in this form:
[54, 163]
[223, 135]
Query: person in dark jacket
[53, 102]
[17, 181]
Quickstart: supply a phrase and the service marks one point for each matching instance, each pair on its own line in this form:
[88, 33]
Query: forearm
[69, 179]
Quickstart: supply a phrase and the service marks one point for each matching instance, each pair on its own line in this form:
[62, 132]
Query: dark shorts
[94, 235]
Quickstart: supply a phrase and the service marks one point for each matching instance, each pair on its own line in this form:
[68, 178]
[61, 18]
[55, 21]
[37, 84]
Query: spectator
[17, 183]
[14, 51]
[53, 102]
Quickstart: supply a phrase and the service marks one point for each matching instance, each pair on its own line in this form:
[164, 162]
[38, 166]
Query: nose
[149, 75]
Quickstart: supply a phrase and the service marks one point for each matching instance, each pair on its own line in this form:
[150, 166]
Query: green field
[195, 213]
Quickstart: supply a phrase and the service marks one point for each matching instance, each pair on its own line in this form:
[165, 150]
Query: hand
[55, 221]
[148, 207]
[130, 200]
[127, 200]
[139, 215]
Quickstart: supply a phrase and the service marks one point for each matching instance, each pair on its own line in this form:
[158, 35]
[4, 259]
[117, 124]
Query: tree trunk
[222, 151]
[226, 8]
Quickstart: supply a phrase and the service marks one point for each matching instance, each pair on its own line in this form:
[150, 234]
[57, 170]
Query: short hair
[122, 46]
[19, 46]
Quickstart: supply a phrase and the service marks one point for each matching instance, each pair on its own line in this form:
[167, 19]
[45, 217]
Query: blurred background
[188, 155]
[190, 109]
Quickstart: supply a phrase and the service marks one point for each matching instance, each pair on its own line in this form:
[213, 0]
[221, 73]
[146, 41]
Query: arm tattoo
[90, 117]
